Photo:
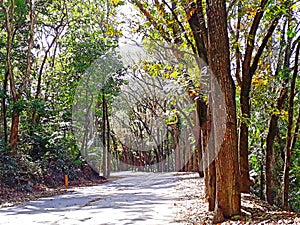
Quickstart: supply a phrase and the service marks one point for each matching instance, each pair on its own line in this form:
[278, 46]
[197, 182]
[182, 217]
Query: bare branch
[262, 46]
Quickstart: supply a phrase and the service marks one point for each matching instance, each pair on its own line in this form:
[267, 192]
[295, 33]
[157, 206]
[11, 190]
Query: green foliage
[69, 37]
[19, 172]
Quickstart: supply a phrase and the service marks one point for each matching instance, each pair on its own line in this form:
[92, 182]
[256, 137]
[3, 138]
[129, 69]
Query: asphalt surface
[138, 198]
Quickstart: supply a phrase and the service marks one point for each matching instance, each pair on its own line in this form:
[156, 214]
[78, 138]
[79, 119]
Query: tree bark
[262, 174]
[108, 141]
[243, 139]
[228, 198]
[211, 170]
[270, 159]
[4, 109]
[202, 118]
[14, 131]
[104, 160]
[273, 126]
[177, 146]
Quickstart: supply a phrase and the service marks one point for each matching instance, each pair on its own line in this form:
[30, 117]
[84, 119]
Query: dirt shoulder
[192, 207]
[12, 197]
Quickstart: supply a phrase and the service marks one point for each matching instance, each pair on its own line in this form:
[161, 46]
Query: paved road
[138, 198]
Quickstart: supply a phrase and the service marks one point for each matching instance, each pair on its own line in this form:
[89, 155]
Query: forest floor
[193, 208]
[131, 198]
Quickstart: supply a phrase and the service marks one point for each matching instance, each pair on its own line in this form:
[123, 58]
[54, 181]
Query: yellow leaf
[115, 2]
[174, 74]
[110, 30]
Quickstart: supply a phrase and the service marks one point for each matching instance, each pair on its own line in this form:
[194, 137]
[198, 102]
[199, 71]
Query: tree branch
[181, 26]
[9, 12]
[33, 18]
[251, 36]
[238, 54]
[152, 21]
[203, 28]
[262, 47]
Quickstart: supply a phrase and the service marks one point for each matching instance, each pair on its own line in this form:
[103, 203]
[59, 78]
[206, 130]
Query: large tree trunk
[228, 198]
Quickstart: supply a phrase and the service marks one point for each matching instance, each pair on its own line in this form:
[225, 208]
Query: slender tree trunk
[273, 126]
[4, 108]
[248, 71]
[201, 109]
[177, 146]
[288, 145]
[14, 132]
[104, 162]
[270, 159]
[262, 174]
[228, 198]
[210, 177]
[187, 150]
[115, 147]
[9, 13]
[208, 161]
[243, 138]
[108, 141]
[211, 190]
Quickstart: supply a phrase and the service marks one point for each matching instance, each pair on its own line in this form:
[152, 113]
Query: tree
[290, 139]
[228, 199]
[284, 71]
[13, 12]
[248, 70]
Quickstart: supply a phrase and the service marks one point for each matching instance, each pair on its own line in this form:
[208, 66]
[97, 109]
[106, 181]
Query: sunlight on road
[138, 198]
